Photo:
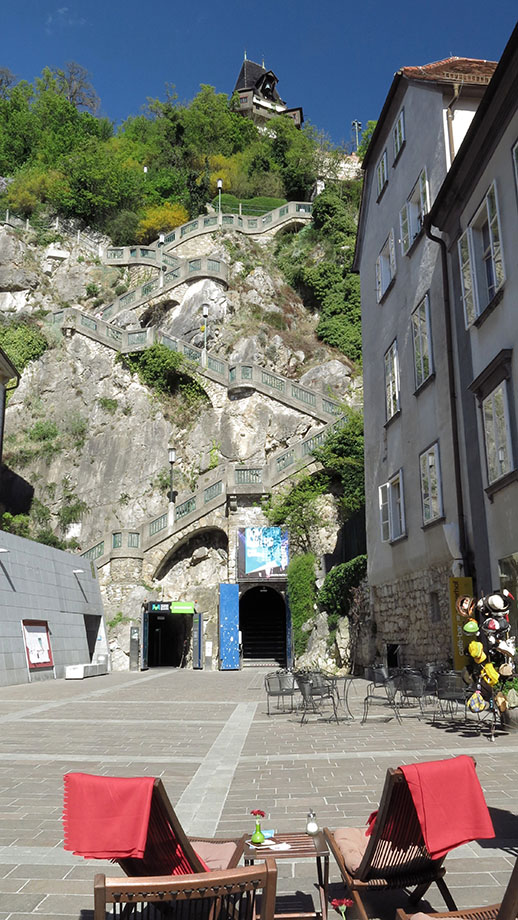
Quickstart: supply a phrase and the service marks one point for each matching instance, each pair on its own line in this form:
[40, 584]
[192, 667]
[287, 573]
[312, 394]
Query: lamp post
[220, 186]
[172, 496]
[356, 126]
[205, 308]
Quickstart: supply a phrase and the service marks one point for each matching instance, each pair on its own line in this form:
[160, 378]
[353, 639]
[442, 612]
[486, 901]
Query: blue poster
[263, 551]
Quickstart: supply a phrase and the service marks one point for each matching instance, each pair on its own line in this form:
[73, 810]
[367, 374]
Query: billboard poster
[37, 644]
[262, 552]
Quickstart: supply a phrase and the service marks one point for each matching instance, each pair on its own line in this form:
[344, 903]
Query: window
[391, 505]
[422, 337]
[385, 267]
[391, 381]
[480, 258]
[496, 433]
[412, 213]
[382, 173]
[431, 487]
[399, 134]
[116, 540]
[134, 540]
[515, 161]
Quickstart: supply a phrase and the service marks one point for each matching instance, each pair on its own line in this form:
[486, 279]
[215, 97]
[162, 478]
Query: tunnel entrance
[168, 639]
[263, 626]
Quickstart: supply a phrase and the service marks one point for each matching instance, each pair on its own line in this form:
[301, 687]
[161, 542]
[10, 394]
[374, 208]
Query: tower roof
[252, 74]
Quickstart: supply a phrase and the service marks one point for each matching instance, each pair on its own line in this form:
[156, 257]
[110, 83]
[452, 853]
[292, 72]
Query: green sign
[182, 607]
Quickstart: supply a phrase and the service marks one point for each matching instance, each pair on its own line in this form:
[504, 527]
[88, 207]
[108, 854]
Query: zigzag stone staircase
[224, 483]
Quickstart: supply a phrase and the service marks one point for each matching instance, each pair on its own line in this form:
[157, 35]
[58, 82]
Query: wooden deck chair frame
[157, 858]
[507, 910]
[396, 856]
[230, 893]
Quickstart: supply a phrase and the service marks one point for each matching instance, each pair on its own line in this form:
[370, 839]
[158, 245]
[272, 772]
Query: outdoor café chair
[131, 821]
[244, 893]
[385, 694]
[425, 810]
[316, 689]
[507, 910]
[451, 694]
[281, 685]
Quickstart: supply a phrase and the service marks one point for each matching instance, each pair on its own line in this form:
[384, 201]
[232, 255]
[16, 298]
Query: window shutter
[392, 251]
[384, 512]
[405, 233]
[466, 277]
[378, 279]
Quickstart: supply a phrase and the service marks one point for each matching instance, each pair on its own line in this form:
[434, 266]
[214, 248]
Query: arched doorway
[262, 621]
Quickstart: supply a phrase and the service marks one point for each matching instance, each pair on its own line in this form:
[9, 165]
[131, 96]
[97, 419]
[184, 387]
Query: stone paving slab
[208, 736]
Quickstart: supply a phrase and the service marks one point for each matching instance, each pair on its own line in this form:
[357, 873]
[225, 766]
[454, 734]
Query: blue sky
[335, 59]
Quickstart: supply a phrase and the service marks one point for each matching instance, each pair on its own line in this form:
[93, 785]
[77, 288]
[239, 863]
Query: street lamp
[172, 458]
[205, 308]
[220, 186]
[356, 126]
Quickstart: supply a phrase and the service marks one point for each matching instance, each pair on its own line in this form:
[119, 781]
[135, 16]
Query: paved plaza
[207, 735]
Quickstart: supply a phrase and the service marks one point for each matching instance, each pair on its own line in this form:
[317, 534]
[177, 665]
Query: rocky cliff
[92, 438]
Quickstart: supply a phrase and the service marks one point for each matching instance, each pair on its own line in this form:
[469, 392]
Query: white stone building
[414, 513]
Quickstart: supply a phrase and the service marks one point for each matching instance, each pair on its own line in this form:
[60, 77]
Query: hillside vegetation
[153, 172]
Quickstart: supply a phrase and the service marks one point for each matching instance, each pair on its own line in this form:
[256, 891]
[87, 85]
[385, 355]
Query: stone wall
[413, 612]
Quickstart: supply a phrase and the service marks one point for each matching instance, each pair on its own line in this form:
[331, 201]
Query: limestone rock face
[110, 450]
[14, 274]
[333, 377]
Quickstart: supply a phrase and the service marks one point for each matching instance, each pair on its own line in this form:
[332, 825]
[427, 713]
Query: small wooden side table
[302, 846]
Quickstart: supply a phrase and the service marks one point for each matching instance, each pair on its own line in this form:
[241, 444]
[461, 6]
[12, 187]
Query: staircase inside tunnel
[262, 622]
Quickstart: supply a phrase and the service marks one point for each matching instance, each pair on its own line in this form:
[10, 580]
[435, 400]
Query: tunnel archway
[262, 622]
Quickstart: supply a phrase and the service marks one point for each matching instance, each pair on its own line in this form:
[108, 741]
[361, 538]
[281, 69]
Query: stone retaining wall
[415, 613]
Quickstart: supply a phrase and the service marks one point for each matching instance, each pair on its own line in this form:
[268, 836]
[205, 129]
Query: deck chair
[507, 910]
[244, 893]
[130, 821]
[393, 852]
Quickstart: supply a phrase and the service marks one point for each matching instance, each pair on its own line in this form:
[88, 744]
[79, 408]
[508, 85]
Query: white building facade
[414, 499]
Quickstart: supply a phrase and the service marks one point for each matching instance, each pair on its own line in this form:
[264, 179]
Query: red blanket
[449, 802]
[106, 817]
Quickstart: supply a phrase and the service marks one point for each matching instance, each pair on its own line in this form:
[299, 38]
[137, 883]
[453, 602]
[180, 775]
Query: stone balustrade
[235, 377]
[175, 272]
[213, 490]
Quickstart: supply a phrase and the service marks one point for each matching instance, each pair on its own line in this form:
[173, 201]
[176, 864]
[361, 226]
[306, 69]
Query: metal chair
[451, 693]
[386, 694]
[412, 688]
[316, 688]
[280, 685]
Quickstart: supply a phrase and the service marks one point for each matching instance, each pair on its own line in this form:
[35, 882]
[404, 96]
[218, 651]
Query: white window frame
[385, 267]
[422, 341]
[392, 383]
[515, 163]
[431, 484]
[392, 509]
[411, 216]
[382, 173]
[398, 134]
[497, 433]
[481, 258]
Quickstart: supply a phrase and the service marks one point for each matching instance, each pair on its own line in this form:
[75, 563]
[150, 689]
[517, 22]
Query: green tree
[366, 137]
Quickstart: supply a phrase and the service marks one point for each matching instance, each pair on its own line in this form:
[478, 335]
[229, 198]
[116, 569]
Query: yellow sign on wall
[458, 587]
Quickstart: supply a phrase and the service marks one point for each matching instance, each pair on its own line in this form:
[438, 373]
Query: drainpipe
[452, 393]
[449, 119]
